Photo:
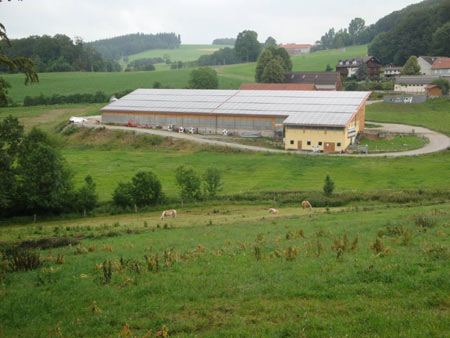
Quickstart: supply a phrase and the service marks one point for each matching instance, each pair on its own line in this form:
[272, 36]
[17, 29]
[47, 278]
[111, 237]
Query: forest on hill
[119, 46]
[423, 31]
[58, 54]
[388, 33]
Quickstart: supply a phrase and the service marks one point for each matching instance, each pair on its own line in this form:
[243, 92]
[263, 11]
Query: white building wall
[413, 89]
[425, 67]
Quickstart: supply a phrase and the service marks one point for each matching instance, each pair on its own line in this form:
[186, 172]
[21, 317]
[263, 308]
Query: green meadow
[309, 62]
[109, 83]
[234, 271]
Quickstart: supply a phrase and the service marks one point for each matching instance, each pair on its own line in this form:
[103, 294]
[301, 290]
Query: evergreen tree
[263, 60]
[273, 72]
[329, 186]
[411, 66]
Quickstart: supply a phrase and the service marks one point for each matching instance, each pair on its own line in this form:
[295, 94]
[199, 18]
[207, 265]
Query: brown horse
[172, 213]
[306, 204]
[273, 211]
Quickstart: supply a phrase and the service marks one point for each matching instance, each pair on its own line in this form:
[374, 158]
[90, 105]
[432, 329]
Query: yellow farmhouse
[326, 121]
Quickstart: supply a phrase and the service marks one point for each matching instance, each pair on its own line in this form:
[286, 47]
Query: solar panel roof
[299, 107]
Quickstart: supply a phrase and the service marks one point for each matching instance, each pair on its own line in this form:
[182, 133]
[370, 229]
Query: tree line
[357, 33]
[224, 41]
[424, 31]
[36, 180]
[57, 54]
[120, 46]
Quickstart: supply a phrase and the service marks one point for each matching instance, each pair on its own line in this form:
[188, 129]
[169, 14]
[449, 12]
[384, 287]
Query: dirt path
[437, 142]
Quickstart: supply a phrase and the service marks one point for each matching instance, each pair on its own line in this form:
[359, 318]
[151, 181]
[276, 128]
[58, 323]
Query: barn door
[299, 145]
[329, 147]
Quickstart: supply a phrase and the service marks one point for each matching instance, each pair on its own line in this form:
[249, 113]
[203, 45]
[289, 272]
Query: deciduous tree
[411, 66]
[203, 78]
[213, 181]
[189, 184]
[247, 46]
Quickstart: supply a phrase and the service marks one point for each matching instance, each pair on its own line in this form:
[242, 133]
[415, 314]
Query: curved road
[437, 142]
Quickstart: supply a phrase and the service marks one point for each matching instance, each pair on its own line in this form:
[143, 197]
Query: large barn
[307, 120]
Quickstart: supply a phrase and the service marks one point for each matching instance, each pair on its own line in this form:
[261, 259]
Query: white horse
[172, 213]
[273, 211]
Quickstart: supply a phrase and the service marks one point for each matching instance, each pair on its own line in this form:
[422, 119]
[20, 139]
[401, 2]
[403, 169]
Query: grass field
[308, 62]
[236, 272]
[433, 114]
[70, 83]
[184, 53]
[398, 143]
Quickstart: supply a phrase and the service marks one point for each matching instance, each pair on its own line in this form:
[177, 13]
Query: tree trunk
[182, 202]
[84, 212]
[34, 218]
[135, 208]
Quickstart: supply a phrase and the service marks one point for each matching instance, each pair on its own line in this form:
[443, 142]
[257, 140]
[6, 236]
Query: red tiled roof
[293, 45]
[278, 86]
[441, 63]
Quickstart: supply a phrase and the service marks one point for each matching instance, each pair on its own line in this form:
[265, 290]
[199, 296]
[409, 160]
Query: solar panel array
[299, 107]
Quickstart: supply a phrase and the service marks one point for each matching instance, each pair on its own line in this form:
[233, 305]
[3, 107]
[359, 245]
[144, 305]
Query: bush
[22, 259]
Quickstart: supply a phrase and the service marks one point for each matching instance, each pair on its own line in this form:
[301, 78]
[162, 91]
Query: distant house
[391, 72]
[441, 67]
[278, 86]
[425, 63]
[414, 84]
[348, 67]
[321, 80]
[295, 49]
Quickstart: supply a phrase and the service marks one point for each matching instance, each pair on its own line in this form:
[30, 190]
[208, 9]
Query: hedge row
[98, 97]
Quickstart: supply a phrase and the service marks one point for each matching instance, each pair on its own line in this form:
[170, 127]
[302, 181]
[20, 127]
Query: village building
[326, 121]
[441, 67]
[278, 86]
[349, 66]
[321, 80]
[413, 84]
[425, 63]
[392, 72]
[297, 49]
[433, 91]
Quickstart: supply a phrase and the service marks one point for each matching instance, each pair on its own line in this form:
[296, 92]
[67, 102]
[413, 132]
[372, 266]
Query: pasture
[86, 82]
[308, 63]
[236, 271]
[433, 114]
[397, 143]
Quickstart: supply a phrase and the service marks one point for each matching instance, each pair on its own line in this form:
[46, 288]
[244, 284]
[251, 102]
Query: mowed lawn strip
[279, 277]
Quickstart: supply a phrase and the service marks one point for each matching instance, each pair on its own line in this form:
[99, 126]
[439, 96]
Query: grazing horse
[306, 204]
[273, 211]
[169, 213]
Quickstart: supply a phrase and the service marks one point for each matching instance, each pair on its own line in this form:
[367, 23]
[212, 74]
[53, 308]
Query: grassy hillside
[70, 83]
[433, 114]
[308, 62]
[236, 272]
[184, 53]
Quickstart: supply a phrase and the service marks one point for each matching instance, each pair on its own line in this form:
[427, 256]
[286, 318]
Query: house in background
[296, 49]
[433, 90]
[392, 72]
[441, 67]
[425, 63]
[278, 86]
[348, 67]
[321, 80]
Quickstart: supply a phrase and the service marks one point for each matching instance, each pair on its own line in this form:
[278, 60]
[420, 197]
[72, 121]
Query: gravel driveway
[437, 142]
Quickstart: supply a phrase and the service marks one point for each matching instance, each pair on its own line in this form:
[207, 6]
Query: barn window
[320, 143]
[292, 141]
[308, 143]
[338, 144]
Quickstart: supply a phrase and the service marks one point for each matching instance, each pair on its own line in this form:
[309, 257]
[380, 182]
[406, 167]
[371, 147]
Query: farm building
[308, 120]
[278, 86]
[297, 49]
[321, 80]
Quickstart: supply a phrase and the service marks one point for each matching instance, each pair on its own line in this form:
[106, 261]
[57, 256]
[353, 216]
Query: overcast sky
[198, 21]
